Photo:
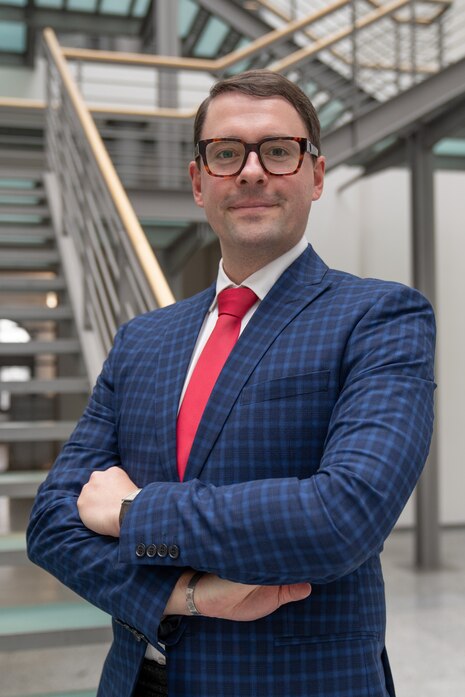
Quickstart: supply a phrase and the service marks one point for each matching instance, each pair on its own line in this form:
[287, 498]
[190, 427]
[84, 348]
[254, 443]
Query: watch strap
[125, 504]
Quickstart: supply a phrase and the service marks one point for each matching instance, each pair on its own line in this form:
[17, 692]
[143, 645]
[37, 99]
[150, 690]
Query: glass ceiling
[132, 8]
[13, 33]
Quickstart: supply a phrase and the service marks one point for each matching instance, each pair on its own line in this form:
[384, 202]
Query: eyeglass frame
[306, 145]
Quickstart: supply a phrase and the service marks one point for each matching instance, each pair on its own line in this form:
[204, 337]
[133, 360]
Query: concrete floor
[426, 628]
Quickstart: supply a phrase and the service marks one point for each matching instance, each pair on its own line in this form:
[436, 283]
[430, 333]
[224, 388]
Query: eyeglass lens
[278, 156]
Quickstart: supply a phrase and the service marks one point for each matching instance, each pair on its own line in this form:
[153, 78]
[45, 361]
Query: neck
[241, 267]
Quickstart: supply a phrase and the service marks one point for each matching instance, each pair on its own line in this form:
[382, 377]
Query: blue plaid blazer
[310, 445]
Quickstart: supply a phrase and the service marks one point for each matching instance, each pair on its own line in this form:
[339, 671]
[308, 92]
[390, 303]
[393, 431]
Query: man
[247, 546]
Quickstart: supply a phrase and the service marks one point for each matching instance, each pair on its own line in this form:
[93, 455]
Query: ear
[318, 177]
[194, 173]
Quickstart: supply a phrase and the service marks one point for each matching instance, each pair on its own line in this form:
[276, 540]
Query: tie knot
[236, 301]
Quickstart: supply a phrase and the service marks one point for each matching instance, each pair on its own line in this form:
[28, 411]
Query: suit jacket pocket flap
[289, 386]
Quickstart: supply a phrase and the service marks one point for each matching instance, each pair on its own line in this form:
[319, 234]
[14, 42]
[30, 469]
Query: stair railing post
[397, 53]
[413, 48]
[353, 37]
[440, 30]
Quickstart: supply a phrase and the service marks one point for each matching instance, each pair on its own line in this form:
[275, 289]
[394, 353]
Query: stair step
[24, 209]
[51, 625]
[13, 227]
[31, 431]
[33, 231]
[17, 485]
[85, 693]
[13, 549]
[28, 314]
[35, 192]
[27, 258]
[18, 284]
[56, 386]
[33, 348]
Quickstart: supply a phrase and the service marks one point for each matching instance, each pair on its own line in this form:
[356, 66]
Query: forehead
[251, 118]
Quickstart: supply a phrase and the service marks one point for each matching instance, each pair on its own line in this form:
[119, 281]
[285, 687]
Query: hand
[99, 503]
[217, 597]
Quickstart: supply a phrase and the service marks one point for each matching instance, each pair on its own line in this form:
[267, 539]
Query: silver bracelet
[190, 593]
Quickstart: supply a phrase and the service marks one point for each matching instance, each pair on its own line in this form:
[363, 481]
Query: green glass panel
[16, 183]
[450, 147]
[242, 65]
[330, 112]
[211, 38]
[82, 5]
[53, 616]
[141, 8]
[384, 144]
[187, 11]
[14, 3]
[12, 37]
[310, 88]
[55, 4]
[115, 7]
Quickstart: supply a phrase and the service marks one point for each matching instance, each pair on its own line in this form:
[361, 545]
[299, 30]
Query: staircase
[43, 390]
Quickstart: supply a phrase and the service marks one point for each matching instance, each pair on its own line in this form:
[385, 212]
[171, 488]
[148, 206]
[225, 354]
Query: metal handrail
[217, 65]
[121, 276]
[443, 5]
[329, 42]
[296, 58]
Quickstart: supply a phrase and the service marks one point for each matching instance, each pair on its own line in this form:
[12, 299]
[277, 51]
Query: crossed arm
[99, 506]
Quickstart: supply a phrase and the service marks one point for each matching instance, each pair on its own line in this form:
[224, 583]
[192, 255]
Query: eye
[224, 151]
[225, 154]
[275, 151]
[278, 152]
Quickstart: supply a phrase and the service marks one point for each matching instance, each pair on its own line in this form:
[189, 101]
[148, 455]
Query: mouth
[256, 206]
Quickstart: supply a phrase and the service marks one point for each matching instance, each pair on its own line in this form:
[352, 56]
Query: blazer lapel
[299, 285]
[174, 357]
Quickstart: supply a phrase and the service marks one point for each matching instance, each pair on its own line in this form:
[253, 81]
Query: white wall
[365, 229]
[23, 83]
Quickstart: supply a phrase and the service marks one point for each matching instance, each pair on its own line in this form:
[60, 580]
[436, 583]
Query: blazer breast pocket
[286, 387]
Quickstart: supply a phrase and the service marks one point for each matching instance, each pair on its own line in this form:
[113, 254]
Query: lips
[252, 204]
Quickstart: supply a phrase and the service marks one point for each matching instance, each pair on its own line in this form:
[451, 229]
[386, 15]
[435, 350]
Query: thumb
[295, 591]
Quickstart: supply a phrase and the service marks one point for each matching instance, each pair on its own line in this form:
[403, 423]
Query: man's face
[255, 213]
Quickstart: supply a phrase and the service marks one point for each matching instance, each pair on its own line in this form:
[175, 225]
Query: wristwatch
[125, 503]
[190, 593]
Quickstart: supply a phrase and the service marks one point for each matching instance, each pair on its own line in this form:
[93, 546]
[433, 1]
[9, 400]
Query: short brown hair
[263, 83]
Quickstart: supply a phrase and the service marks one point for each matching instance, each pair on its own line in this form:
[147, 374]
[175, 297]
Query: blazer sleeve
[88, 563]
[318, 529]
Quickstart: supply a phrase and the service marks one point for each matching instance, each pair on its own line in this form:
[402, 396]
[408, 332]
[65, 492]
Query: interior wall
[20, 82]
[365, 229]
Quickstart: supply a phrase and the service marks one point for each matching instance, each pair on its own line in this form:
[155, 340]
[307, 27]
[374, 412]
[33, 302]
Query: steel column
[165, 20]
[427, 538]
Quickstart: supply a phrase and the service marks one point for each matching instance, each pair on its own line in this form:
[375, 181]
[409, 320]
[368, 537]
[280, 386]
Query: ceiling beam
[69, 22]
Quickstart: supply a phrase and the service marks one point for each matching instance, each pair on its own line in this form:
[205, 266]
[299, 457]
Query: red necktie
[233, 304]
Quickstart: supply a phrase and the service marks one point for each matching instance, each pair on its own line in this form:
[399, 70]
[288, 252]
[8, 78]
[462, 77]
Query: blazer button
[162, 550]
[173, 551]
[151, 550]
[140, 550]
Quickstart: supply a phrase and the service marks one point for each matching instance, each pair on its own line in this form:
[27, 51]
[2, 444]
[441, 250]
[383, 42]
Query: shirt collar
[264, 279]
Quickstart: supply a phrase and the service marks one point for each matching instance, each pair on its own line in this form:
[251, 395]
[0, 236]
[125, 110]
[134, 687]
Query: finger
[296, 591]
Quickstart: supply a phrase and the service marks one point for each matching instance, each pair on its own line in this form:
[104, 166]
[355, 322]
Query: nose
[252, 171]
